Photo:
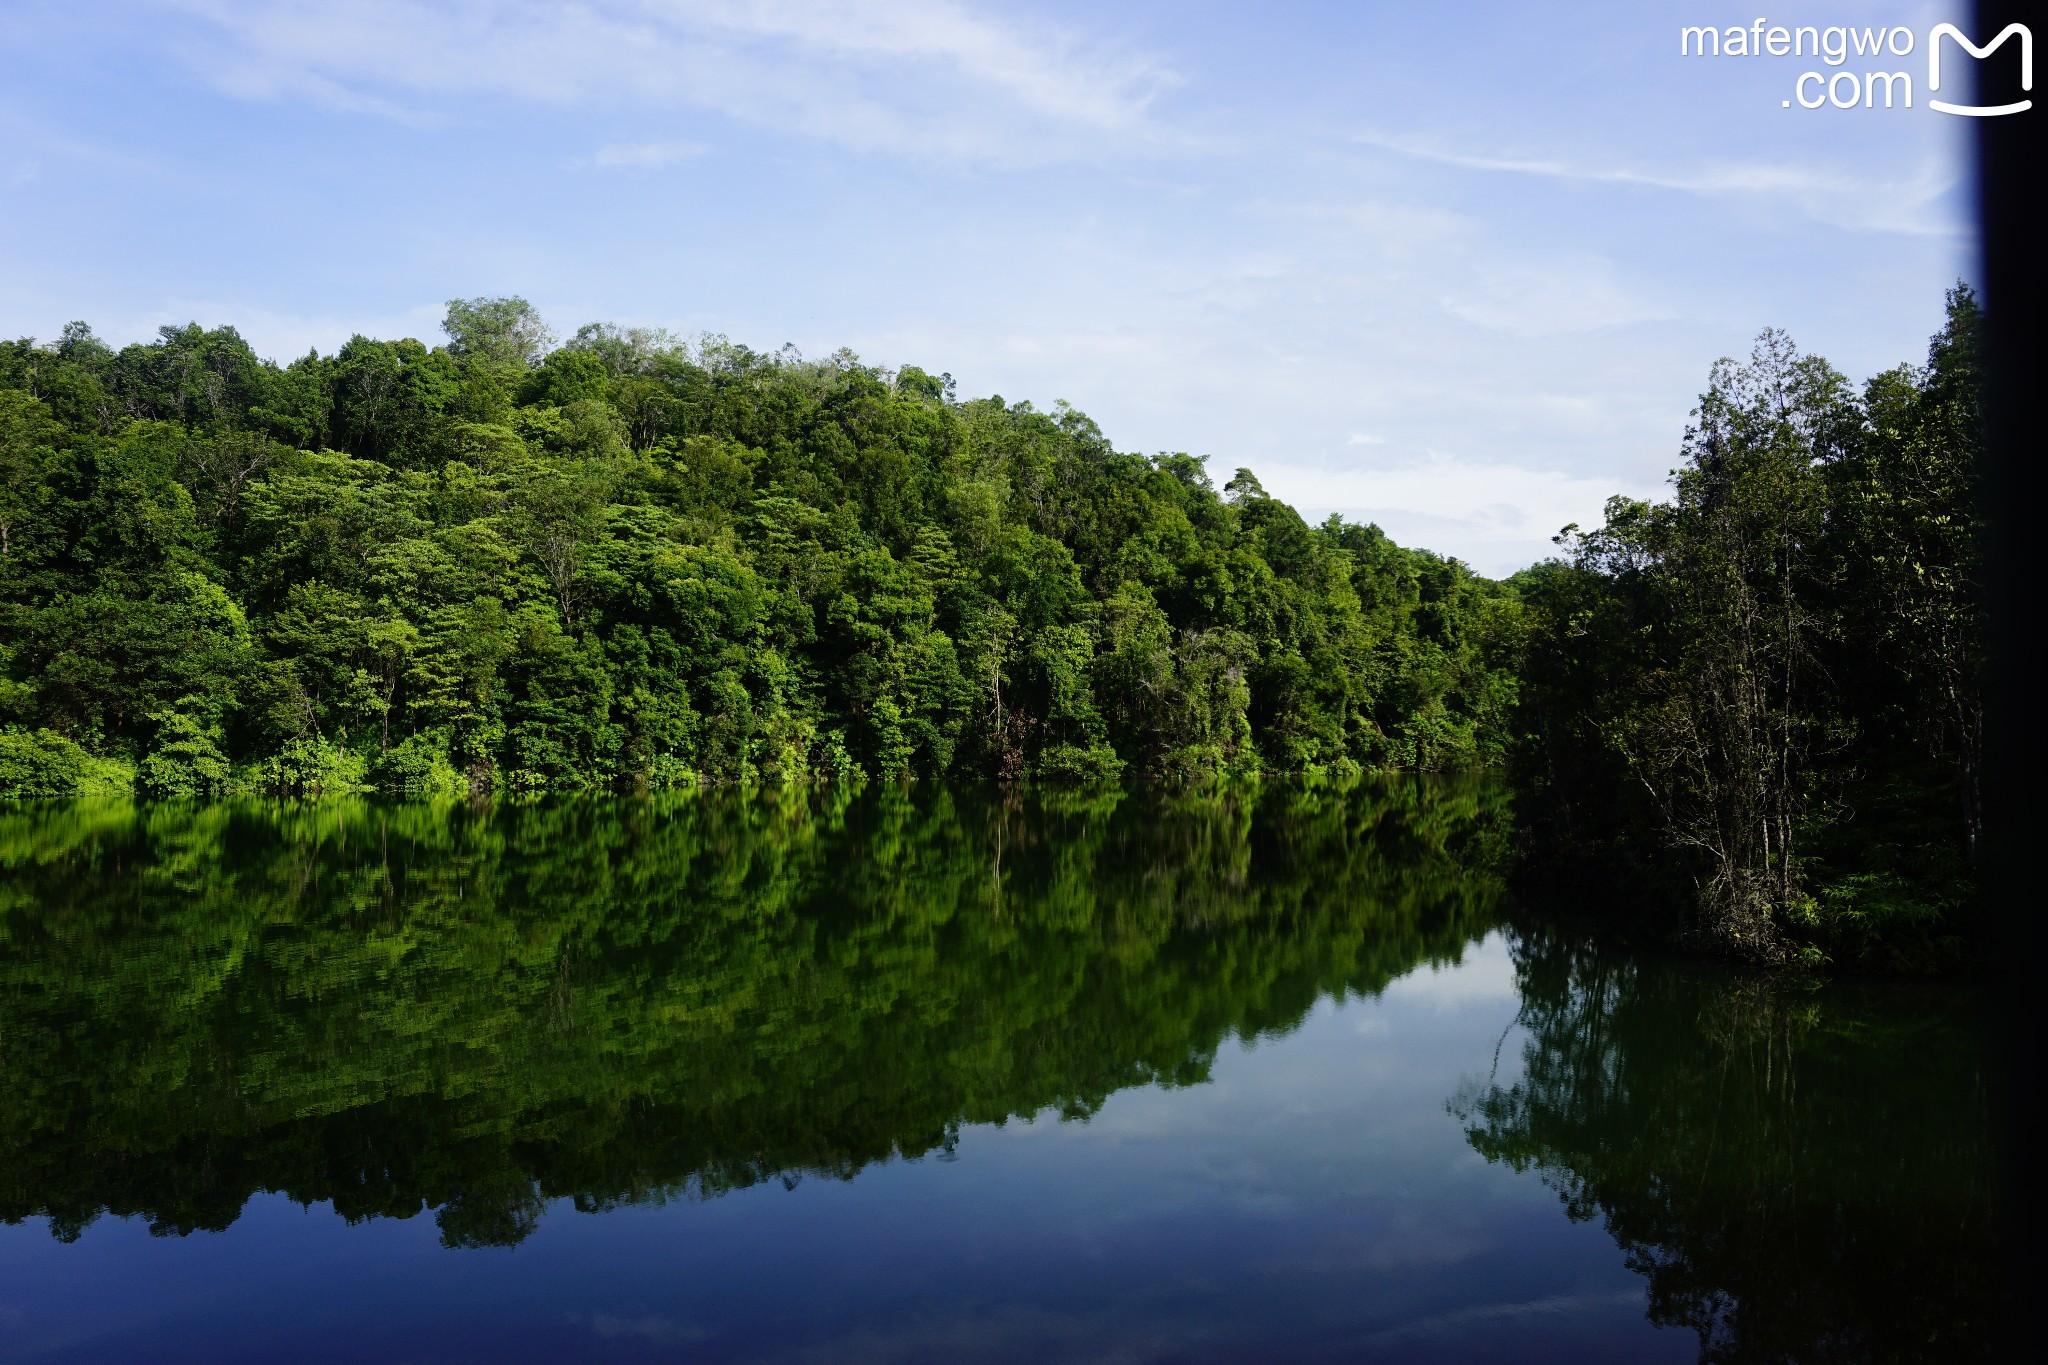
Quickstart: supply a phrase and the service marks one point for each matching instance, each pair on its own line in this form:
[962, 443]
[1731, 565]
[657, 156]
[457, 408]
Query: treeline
[1763, 698]
[505, 564]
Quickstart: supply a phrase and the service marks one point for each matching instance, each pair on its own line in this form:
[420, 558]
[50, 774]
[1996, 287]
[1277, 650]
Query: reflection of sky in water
[1314, 1200]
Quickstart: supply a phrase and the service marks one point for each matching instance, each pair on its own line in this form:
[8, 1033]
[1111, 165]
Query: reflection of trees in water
[475, 1010]
[1799, 1173]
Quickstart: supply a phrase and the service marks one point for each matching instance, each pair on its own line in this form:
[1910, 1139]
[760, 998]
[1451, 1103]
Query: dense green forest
[1763, 699]
[507, 565]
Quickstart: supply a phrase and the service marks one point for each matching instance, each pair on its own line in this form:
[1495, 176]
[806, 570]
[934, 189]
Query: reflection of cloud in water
[1486, 973]
[1007, 1332]
[645, 1326]
[1128, 1332]
[1557, 1305]
[1410, 1239]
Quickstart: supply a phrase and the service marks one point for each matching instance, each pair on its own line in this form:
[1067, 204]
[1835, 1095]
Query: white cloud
[1531, 300]
[1394, 230]
[931, 77]
[1497, 516]
[646, 156]
[1058, 78]
[1906, 204]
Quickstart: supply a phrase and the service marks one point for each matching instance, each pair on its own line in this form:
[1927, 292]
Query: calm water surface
[919, 1075]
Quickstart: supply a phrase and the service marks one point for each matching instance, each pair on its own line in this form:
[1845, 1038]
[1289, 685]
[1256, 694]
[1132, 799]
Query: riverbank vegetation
[625, 560]
[500, 564]
[1763, 698]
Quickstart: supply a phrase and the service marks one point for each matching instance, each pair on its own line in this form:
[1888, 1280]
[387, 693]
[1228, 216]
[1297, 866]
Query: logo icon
[1980, 110]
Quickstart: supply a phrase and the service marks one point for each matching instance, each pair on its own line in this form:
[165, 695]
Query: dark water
[908, 1076]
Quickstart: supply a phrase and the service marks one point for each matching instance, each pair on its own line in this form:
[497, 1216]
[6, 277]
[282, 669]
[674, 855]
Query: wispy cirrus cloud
[644, 156]
[927, 77]
[1900, 204]
[1499, 515]
[1470, 321]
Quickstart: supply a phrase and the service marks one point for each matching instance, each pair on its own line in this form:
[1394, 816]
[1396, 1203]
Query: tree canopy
[1764, 697]
[502, 563]
[625, 560]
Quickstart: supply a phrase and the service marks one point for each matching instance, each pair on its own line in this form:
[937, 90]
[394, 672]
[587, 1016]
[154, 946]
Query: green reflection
[474, 1010]
[1800, 1173]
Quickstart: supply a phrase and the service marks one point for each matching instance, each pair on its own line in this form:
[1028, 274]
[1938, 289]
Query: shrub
[37, 763]
[419, 766]
[187, 759]
[311, 766]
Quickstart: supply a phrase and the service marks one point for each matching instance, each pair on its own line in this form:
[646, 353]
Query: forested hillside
[503, 564]
[499, 563]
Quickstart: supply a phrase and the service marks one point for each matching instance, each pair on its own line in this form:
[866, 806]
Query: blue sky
[1459, 268]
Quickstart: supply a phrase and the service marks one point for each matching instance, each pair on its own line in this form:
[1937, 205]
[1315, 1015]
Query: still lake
[929, 1075]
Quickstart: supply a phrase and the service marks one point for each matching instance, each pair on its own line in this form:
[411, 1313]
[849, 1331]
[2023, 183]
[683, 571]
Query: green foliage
[631, 562]
[1768, 690]
[44, 763]
[472, 1009]
[311, 767]
[418, 765]
[186, 759]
